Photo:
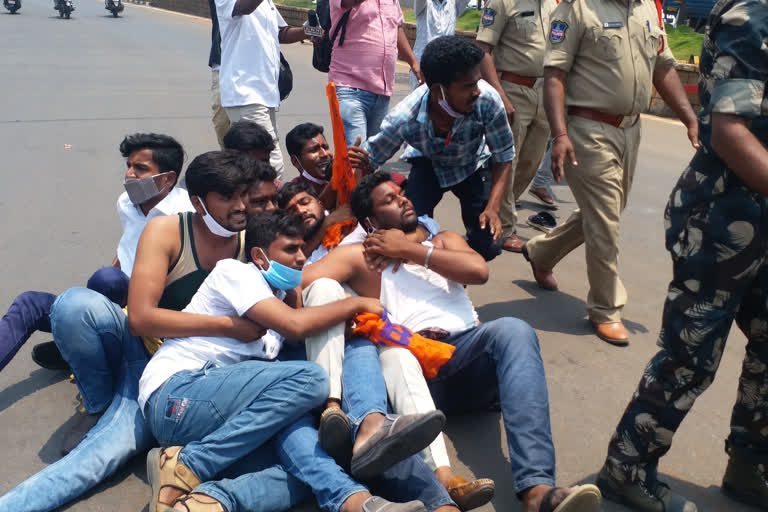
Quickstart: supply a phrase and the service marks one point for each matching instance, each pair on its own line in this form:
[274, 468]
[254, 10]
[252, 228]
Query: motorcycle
[12, 5]
[65, 8]
[114, 6]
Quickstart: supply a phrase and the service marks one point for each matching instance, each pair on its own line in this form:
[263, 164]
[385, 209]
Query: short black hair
[360, 200]
[167, 153]
[247, 135]
[290, 190]
[299, 135]
[448, 57]
[223, 172]
[263, 228]
[263, 171]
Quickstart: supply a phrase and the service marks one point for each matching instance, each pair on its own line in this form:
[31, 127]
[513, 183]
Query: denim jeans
[362, 112]
[543, 177]
[424, 191]
[30, 311]
[500, 360]
[365, 393]
[93, 336]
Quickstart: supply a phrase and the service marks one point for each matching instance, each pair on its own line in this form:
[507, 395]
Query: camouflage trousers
[717, 234]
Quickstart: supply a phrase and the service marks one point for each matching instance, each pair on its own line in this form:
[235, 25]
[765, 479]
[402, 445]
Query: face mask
[308, 176]
[213, 226]
[142, 190]
[448, 109]
[280, 276]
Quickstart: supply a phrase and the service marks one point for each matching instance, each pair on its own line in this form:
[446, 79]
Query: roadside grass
[684, 42]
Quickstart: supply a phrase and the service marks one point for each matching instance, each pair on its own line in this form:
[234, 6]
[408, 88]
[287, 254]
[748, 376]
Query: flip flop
[585, 498]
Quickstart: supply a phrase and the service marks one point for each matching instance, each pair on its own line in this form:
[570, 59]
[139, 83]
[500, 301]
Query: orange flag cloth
[343, 177]
[431, 354]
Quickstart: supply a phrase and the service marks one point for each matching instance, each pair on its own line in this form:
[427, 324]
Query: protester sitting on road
[450, 120]
[257, 398]
[493, 361]
[312, 157]
[251, 34]
[363, 67]
[155, 159]
[251, 138]
[328, 348]
[107, 353]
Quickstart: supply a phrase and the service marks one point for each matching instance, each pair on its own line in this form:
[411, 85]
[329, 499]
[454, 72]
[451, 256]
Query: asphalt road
[72, 89]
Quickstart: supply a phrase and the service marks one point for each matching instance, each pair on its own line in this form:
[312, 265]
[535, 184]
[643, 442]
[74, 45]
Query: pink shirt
[367, 58]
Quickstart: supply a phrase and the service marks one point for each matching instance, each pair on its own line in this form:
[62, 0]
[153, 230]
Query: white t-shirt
[250, 55]
[134, 221]
[357, 236]
[231, 289]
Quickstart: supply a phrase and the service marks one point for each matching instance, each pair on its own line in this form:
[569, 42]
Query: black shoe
[48, 356]
[543, 221]
[746, 477]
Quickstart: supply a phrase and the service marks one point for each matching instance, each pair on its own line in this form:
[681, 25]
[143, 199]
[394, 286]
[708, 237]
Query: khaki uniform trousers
[220, 119]
[531, 132]
[607, 157]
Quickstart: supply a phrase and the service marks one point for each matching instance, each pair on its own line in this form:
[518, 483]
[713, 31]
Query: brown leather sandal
[165, 470]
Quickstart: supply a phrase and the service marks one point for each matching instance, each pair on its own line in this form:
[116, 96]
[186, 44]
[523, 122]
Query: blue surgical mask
[280, 276]
[448, 109]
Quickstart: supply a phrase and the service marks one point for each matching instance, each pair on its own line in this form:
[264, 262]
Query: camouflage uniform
[717, 233]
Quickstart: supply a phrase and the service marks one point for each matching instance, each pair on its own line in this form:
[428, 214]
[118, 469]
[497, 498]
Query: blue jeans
[362, 112]
[29, 312]
[500, 360]
[365, 393]
[543, 177]
[424, 191]
[93, 336]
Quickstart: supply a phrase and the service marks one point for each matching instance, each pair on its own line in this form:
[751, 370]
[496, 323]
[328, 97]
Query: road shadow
[37, 380]
[136, 466]
[476, 438]
[548, 311]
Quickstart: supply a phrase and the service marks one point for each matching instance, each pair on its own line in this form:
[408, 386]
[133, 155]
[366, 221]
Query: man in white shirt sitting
[225, 399]
[497, 361]
[154, 164]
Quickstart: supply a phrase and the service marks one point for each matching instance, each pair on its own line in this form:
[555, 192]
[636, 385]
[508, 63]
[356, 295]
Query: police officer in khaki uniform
[602, 58]
[515, 33]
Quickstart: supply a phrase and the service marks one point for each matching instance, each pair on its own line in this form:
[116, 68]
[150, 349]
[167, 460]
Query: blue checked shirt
[467, 150]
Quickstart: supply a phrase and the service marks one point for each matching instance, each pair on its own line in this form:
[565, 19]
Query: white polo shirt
[250, 55]
[133, 221]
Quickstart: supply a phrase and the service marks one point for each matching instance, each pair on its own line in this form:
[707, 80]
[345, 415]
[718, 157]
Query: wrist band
[429, 255]
[559, 135]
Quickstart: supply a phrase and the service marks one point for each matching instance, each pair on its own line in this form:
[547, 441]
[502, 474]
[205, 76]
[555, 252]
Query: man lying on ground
[104, 347]
[328, 348]
[493, 361]
[154, 165]
[224, 399]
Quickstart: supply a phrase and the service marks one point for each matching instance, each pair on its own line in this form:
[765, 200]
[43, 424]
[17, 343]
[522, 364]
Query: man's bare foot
[198, 502]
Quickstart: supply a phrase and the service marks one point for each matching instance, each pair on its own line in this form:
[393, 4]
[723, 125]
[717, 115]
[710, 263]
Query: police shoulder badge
[488, 16]
[557, 34]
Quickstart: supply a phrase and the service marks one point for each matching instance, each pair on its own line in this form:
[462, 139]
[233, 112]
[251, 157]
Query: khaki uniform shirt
[518, 30]
[609, 49]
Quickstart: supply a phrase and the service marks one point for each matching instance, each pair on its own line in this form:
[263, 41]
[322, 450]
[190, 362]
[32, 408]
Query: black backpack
[285, 79]
[321, 56]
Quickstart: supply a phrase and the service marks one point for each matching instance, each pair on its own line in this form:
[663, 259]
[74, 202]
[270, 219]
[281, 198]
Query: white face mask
[213, 226]
[308, 176]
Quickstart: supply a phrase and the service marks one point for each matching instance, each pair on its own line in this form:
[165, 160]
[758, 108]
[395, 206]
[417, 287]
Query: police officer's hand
[562, 149]
[509, 108]
[491, 219]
